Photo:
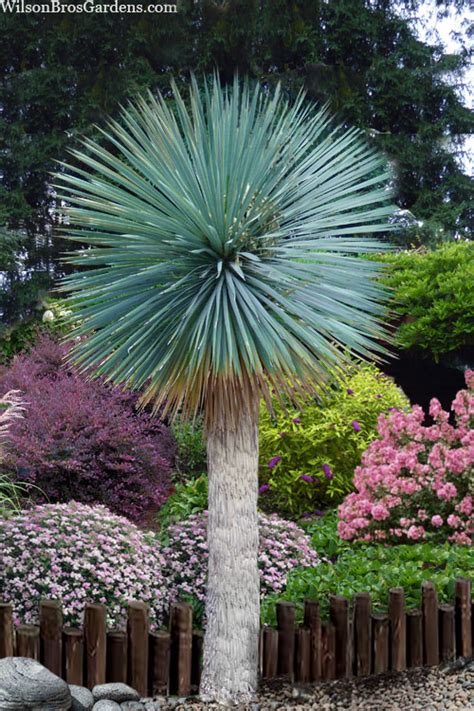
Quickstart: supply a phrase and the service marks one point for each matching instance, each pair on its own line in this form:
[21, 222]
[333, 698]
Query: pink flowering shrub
[81, 439]
[77, 553]
[416, 482]
[283, 547]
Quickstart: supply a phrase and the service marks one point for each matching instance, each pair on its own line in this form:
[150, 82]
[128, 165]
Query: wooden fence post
[415, 638]
[116, 657]
[270, 652]
[137, 629]
[160, 645]
[339, 616]
[6, 630]
[196, 663]
[328, 651]
[447, 630]
[28, 641]
[362, 634]
[463, 617]
[285, 612]
[303, 655]
[398, 636]
[181, 629]
[430, 623]
[312, 620]
[51, 631]
[73, 644]
[95, 642]
[380, 642]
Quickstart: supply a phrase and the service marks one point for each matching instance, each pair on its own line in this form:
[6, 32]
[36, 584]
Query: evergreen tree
[63, 73]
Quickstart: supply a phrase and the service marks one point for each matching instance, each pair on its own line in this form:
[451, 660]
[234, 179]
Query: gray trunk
[233, 590]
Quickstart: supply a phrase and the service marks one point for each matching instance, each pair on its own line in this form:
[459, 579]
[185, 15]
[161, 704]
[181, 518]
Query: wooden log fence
[353, 641]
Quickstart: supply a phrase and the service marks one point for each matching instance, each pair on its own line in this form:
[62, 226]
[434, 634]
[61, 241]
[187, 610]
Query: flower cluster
[416, 482]
[77, 553]
[82, 440]
[283, 546]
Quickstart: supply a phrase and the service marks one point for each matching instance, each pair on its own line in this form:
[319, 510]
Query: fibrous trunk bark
[233, 588]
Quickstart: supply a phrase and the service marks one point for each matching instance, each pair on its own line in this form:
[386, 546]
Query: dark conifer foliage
[60, 74]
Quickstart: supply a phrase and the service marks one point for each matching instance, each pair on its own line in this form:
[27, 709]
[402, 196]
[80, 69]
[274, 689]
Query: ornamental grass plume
[416, 482]
[11, 408]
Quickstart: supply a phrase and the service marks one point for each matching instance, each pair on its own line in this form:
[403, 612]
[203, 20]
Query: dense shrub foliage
[307, 458]
[83, 440]
[416, 482]
[78, 553]
[191, 456]
[375, 569]
[51, 318]
[283, 546]
[187, 499]
[434, 293]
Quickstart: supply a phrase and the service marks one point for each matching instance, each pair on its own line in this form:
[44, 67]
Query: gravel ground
[448, 689]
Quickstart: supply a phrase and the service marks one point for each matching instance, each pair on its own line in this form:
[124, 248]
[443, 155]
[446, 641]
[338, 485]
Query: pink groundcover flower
[283, 546]
[78, 553]
[415, 481]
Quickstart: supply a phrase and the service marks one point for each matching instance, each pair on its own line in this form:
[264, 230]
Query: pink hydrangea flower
[412, 464]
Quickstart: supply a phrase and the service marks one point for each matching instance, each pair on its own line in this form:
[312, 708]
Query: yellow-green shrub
[308, 457]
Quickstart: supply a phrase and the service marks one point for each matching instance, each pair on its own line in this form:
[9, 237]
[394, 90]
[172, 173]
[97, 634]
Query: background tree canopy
[61, 74]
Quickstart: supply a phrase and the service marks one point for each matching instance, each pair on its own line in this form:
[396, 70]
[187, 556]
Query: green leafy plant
[191, 459]
[188, 498]
[322, 529]
[375, 569]
[434, 295]
[308, 457]
[52, 318]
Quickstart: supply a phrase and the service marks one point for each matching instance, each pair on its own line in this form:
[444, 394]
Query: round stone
[82, 699]
[106, 705]
[27, 684]
[115, 691]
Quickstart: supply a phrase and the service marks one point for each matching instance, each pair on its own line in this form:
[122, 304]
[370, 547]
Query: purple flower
[306, 477]
[274, 461]
[296, 420]
[349, 391]
[282, 434]
[356, 426]
[263, 488]
[319, 513]
[327, 471]
[378, 396]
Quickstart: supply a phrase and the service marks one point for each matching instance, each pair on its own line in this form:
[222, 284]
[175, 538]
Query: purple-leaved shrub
[77, 553]
[82, 439]
[283, 546]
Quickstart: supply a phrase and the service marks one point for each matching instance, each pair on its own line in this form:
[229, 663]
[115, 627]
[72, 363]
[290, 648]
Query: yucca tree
[223, 232]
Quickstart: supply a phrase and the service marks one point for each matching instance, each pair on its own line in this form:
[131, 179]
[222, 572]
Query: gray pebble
[115, 691]
[106, 705]
[82, 699]
[132, 706]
